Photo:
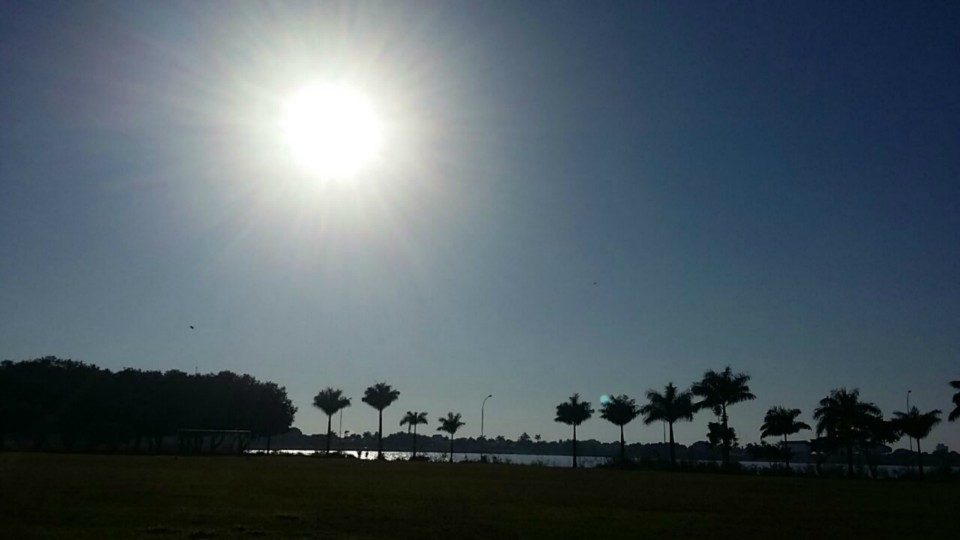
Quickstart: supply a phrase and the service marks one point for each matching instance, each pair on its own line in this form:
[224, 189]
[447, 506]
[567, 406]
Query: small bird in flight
[191, 327]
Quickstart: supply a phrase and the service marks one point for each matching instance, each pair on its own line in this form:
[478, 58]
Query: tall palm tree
[573, 413]
[412, 419]
[955, 413]
[330, 401]
[670, 406]
[620, 410]
[846, 420]
[450, 424]
[780, 421]
[717, 391]
[380, 396]
[917, 425]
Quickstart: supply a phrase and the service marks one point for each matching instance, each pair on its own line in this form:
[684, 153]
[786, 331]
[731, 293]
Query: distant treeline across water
[525, 448]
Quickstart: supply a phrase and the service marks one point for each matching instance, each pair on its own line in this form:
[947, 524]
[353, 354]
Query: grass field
[89, 496]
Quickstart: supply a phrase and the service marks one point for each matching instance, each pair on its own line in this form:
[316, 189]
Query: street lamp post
[481, 424]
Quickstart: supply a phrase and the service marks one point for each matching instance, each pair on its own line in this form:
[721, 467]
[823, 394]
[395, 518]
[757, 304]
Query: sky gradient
[571, 198]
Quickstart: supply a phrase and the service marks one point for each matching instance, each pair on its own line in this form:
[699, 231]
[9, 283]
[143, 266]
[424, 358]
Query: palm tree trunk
[380, 436]
[414, 440]
[328, 433]
[673, 457]
[574, 446]
[725, 446]
[451, 448]
[919, 458]
[623, 449]
[786, 453]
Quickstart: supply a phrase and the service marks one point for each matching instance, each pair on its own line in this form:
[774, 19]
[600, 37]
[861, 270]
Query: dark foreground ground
[81, 496]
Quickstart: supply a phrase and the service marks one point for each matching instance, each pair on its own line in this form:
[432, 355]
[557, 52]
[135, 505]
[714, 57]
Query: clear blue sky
[774, 186]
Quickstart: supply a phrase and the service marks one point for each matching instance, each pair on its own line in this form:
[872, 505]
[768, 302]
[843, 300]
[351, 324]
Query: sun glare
[331, 130]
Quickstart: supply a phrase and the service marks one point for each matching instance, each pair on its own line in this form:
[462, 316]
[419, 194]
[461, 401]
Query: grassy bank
[88, 496]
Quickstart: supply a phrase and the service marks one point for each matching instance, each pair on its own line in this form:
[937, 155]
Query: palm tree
[450, 425]
[330, 401]
[782, 421]
[380, 396]
[573, 413]
[877, 433]
[620, 410]
[719, 391]
[955, 413]
[843, 418]
[917, 425]
[412, 419]
[670, 406]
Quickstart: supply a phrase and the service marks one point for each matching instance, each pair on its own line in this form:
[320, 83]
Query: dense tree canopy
[51, 401]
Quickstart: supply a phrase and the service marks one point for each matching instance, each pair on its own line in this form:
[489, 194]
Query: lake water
[555, 461]
[517, 459]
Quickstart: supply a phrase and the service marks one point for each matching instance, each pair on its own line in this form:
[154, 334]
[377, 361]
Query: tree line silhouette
[80, 406]
[88, 407]
[380, 396]
[844, 423]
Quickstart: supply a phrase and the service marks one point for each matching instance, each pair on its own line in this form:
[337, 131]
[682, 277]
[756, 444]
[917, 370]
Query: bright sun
[331, 130]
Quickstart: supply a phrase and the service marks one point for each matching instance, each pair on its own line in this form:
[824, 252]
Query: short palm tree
[620, 411]
[330, 401]
[955, 413]
[845, 420]
[380, 396]
[450, 424]
[670, 406]
[574, 412]
[780, 421]
[877, 433]
[413, 419]
[718, 391]
[916, 425]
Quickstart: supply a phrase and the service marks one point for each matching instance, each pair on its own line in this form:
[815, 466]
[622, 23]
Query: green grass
[89, 496]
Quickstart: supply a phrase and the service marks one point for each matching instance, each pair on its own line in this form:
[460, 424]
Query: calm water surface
[546, 460]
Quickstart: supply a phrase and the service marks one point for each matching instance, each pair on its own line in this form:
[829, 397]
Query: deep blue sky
[770, 185]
